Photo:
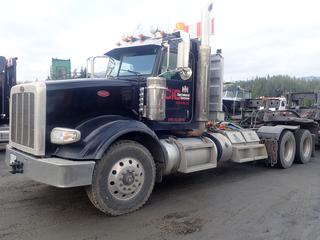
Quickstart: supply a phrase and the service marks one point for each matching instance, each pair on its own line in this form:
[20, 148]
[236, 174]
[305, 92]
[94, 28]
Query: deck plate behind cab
[246, 146]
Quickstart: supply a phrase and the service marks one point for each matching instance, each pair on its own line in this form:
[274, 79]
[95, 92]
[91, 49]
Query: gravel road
[247, 201]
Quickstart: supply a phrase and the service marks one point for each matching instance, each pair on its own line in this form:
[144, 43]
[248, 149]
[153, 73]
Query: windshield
[229, 94]
[132, 62]
[140, 64]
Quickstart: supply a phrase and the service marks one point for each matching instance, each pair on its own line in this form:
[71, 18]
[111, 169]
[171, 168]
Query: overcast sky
[257, 37]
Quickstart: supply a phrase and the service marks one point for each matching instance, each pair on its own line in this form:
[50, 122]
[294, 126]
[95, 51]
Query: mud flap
[272, 150]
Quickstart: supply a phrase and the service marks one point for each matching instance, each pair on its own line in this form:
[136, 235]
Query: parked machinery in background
[306, 104]
[233, 97]
[60, 69]
[272, 111]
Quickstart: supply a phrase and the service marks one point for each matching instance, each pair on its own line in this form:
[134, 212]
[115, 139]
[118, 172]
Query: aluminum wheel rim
[288, 150]
[306, 147]
[126, 178]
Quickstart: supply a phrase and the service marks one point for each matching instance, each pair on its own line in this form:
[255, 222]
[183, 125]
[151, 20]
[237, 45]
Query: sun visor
[145, 46]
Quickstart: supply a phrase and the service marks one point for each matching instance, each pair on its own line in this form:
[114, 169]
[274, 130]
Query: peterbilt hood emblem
[21, 89]
[103, 93]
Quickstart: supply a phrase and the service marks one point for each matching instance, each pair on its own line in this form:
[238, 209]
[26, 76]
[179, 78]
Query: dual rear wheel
[296, 147]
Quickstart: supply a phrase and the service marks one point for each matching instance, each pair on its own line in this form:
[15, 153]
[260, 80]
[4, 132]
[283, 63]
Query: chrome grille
[22, 119]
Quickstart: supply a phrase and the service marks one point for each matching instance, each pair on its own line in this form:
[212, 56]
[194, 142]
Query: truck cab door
[180, 92]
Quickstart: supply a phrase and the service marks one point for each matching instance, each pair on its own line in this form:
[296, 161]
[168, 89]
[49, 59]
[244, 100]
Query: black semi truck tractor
[151, 116]
[7, 80]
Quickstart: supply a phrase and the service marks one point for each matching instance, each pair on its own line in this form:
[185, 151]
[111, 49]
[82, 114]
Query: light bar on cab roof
[194, 31]
[141, 38]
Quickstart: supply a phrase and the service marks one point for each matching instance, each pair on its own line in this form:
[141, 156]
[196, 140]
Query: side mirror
[185, 73]
[183, 54]
[183, 59]
[166, 45]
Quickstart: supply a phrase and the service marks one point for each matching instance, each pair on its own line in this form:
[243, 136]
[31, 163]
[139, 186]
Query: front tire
[286, 149]
[123, 179]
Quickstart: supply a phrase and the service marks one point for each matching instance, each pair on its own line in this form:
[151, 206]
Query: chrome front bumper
[57, 172]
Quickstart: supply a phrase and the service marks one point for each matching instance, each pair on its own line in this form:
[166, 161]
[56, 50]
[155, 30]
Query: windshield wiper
[127, 70]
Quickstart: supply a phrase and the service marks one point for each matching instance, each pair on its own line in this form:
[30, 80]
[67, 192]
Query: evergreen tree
[275, 86]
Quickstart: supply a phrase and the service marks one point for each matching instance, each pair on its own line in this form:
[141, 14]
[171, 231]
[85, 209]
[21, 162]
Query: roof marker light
[180, 26]
[125, 38]
[154, 29]
[141, 36]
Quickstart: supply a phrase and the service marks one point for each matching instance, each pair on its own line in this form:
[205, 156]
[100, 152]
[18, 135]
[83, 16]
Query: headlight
[64, 135]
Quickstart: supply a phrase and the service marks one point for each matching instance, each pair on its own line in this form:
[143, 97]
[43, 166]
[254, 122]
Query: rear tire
[123, 179]
[304, 146]
[286, 149]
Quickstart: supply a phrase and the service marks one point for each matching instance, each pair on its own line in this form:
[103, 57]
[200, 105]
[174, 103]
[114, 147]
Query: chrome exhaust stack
[205, 25]
[202, 91]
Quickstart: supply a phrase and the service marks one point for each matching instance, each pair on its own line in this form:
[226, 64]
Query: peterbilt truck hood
[69, 102]
[72, 102]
